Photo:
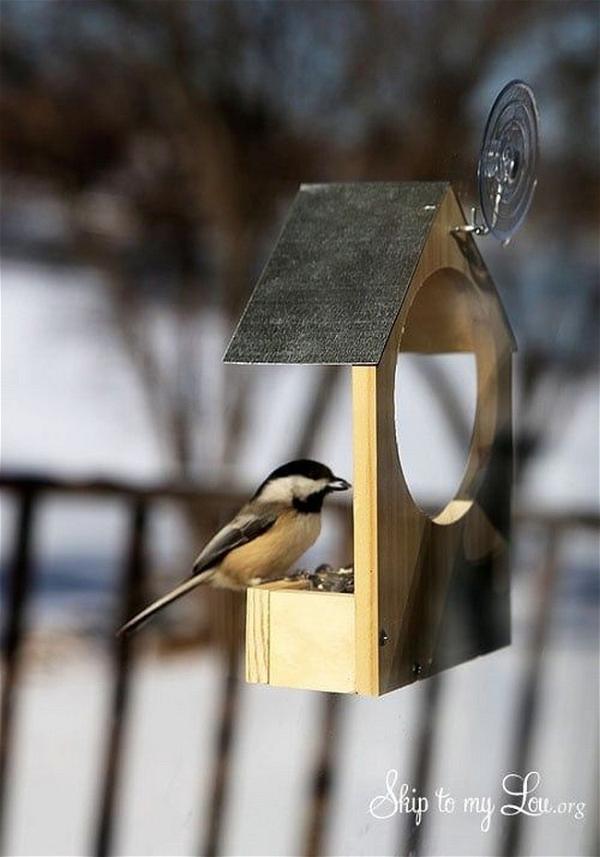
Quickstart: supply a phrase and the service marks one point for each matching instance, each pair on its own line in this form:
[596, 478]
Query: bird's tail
[176, 593]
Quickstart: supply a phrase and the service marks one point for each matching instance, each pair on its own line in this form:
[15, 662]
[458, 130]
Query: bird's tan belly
[270, 555]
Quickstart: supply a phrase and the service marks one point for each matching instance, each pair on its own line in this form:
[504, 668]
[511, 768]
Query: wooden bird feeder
[360, 272]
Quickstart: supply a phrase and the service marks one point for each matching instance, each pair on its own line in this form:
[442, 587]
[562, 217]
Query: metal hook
[473, 227]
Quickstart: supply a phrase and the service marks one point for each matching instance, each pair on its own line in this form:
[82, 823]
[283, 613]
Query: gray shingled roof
[334, 285]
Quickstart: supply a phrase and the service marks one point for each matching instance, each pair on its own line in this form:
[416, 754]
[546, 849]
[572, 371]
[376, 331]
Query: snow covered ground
[63, 705]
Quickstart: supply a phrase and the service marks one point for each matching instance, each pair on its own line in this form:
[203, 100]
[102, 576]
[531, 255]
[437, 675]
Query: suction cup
[506, 171]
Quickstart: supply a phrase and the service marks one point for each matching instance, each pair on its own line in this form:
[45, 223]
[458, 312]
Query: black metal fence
[20, 583]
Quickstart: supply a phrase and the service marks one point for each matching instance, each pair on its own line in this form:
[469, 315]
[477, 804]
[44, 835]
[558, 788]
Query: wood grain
[257, 636]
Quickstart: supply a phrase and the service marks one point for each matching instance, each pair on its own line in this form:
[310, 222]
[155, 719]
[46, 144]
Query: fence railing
[27, 492]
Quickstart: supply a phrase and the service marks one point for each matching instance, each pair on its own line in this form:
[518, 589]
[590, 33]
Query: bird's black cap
[299, 467]
[302, 467]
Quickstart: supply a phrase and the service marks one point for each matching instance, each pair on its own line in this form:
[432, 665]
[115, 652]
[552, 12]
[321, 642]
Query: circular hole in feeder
[435, 405]
[442, 432]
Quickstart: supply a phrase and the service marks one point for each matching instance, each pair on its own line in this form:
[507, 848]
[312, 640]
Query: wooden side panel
[364, 399]
[301, 639]
[431, 593]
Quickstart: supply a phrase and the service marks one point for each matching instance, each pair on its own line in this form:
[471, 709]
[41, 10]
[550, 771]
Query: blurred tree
[171, 133]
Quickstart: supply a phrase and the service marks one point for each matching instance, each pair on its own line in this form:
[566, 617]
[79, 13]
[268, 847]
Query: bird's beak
[338, 484]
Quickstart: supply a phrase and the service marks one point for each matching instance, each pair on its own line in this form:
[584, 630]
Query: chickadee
[266, 537]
